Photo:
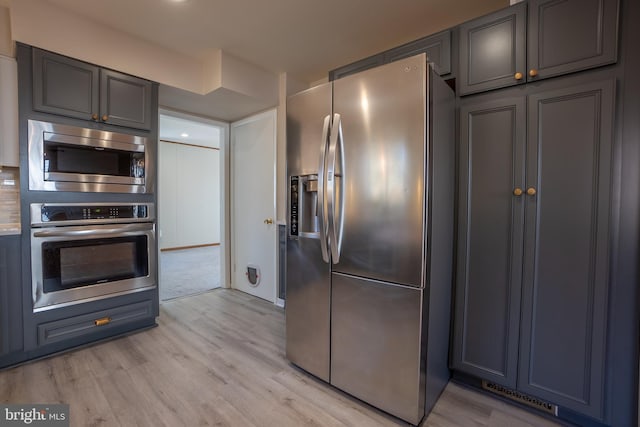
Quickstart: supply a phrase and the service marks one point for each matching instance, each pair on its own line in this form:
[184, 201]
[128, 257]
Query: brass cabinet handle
[533, 72]
[105, 118]
[268, 221]
[517, 191]
[94, 116]
[531, 191]
[103, 321]
[518, 76]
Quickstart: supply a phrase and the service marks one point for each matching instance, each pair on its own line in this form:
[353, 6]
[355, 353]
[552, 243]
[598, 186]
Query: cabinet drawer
[64, 329]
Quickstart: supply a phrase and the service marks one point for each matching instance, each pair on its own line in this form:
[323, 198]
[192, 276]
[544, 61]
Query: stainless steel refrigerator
[370, 167]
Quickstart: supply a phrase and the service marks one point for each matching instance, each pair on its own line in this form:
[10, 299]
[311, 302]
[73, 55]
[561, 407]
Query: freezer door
[376, 345]
[383, 116]
[307, 307]
[306, 112]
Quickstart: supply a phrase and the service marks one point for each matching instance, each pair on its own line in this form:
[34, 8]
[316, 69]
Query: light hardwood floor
[217, 359]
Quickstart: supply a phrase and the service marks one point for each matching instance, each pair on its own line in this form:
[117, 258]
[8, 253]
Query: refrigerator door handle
[322, 179]
[336, 151]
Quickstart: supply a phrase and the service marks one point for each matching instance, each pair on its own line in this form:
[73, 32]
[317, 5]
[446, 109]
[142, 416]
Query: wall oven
[86, 252]
[70, 158]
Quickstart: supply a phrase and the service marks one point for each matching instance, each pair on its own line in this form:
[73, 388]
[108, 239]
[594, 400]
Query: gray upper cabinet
[125, 100]
[437, 47]
[492, 50]
[567, 234]
[65, 86]
[554, 37]
[10, 296]
[570, 35]
[76, 89]
[491, 220]
[533, 242]
[356, 67]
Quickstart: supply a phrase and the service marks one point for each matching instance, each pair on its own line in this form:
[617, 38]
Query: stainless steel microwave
[70, 158]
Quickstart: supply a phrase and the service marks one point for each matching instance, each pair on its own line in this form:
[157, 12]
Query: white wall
[189, 195]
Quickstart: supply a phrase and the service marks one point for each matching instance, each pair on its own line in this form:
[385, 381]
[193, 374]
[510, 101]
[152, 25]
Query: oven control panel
[43, 214]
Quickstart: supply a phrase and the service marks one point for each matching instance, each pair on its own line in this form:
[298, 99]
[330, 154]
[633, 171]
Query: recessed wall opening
[189, 205]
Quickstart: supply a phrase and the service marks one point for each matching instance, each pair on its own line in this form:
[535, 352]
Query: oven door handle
[93, 231]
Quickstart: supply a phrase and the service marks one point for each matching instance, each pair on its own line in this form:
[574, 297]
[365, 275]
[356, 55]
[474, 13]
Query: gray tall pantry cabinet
[533, 245]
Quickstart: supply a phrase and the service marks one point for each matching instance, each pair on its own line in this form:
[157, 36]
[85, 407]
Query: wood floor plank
[218, 359]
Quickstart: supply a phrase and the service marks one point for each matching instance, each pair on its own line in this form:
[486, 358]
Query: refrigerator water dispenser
[304, 205]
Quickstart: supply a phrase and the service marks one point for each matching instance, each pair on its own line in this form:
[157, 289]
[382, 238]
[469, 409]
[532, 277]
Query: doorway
[190, 205]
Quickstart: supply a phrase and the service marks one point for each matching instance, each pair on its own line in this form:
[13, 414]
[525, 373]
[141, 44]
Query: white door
[254, 239]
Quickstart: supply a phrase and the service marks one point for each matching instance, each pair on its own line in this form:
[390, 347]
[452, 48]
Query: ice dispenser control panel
[293, 221]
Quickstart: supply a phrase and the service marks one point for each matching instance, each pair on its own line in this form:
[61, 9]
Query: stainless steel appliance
[370, 165]
[70, 158]
[85, 252]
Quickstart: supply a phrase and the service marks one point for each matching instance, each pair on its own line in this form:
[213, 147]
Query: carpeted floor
[189, 271]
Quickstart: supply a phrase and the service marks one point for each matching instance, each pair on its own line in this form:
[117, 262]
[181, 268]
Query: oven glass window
[64, 158]
[73, 264]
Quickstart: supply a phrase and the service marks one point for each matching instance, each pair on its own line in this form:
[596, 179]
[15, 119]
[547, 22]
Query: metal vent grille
[525, 399]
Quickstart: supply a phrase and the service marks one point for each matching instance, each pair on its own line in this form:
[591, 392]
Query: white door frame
[271, 112]
[225, 253]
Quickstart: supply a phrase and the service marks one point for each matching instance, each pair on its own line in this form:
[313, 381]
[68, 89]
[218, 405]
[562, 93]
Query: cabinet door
[356, 67]
[8, 112]
[488, 284]
[125, 100]
[492, 50]
[571, 35]
[64, 86]
[437, 47]
[10, 295]
[565, 277]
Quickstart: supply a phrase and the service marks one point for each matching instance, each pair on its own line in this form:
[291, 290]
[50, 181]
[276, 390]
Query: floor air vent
[521, 397]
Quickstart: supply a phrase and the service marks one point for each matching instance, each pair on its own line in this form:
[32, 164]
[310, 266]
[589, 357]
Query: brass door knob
[531, 191]
[94, 116]
[533, 72]
[518, 76]
[268, 221]
[105, 118]
[517, 191]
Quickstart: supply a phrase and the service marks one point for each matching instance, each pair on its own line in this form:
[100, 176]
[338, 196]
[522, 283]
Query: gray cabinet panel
[487, 306]
[64, 86]
[10, 295]
[437, 47]
[571, 35]
[565, 278]
[125, 100]
[492, 50]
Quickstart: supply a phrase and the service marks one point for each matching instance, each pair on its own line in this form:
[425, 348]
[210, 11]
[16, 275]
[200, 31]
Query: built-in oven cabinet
[72, 88]
[10, 296]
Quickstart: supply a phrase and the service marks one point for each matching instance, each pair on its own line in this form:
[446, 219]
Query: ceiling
[189, 131]
[304, 38]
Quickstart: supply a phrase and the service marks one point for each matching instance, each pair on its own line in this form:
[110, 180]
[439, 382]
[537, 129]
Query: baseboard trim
[189, 247]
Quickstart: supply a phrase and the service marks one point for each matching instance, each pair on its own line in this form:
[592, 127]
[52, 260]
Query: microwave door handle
[321, 201]
[88, 231]
[335, 207]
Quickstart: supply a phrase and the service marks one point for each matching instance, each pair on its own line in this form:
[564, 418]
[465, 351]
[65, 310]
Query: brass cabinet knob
[518, 76]
[94, 116]
[533, 72]
[531, 191]
[105, 118]
[103, 321]
[268, 221]
[517, 191]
